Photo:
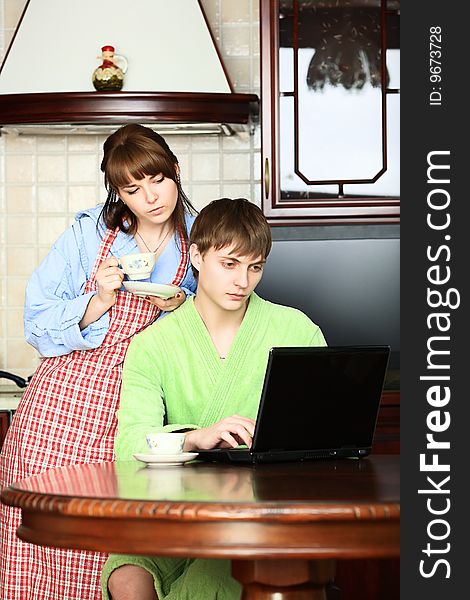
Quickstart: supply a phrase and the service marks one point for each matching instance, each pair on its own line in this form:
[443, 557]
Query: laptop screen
[320, 398]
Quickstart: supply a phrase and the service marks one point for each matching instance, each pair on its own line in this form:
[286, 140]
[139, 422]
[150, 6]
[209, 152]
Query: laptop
[315, 403]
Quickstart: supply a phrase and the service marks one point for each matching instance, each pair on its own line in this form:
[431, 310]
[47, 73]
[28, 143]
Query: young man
[201, 370]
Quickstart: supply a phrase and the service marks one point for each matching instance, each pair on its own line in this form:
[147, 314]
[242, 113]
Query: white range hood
[175, 73]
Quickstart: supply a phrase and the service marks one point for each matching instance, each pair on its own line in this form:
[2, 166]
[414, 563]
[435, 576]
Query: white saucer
[165, 460]
[144, 288]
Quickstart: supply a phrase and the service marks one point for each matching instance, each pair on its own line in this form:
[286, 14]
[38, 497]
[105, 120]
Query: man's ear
[195, 256]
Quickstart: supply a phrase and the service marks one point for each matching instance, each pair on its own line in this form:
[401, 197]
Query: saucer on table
[165, 460]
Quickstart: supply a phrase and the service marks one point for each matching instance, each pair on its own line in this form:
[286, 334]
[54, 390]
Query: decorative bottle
[109, 76]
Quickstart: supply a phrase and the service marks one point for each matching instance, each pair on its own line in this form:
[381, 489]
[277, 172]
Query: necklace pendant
[159, 244]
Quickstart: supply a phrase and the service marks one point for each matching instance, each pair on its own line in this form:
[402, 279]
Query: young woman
[80, 319]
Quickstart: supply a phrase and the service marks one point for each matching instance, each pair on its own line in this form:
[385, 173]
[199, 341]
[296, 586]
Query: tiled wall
[45, 180]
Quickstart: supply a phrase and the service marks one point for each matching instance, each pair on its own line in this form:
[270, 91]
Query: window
[330, 110]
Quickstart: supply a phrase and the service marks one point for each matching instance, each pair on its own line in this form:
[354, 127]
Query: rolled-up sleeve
[189, 284]
[55, 301]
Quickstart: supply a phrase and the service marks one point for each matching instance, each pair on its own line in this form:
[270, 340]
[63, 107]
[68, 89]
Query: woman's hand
[108, 281]
[228, 433]
[168, 304]
[109, 278]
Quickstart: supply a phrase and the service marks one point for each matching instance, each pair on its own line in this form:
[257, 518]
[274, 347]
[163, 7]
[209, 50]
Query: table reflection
[374, 479]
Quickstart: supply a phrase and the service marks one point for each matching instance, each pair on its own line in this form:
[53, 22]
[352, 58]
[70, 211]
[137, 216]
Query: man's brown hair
[237, 223]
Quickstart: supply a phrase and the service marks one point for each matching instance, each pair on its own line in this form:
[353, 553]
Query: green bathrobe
[174, 379]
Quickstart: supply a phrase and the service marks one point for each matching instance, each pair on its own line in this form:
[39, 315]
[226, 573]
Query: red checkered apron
[67, 415]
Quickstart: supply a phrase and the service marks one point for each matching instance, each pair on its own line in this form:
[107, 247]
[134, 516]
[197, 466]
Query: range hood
[175, 76]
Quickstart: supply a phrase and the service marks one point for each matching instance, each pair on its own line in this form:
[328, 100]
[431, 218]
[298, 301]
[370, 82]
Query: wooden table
[282, 525]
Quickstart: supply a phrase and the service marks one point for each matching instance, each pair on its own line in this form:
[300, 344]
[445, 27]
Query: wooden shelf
[125, 107]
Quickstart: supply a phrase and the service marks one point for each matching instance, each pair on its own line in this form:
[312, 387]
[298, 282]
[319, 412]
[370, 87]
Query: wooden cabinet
[387, 433]
[330, 102]
[367, 580]
[9, 399]
[4, 422]
[374, 579]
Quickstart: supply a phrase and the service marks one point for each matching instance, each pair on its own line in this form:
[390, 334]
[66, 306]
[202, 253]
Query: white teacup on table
[139, 265]
[165, 442]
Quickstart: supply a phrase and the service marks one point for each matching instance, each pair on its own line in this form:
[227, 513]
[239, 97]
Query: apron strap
[103, 253]
[184, 262]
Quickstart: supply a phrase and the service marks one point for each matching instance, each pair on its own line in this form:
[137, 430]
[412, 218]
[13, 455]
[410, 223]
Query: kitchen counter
[10, 396]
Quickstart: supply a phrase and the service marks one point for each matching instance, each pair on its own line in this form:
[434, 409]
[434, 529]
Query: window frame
[319, 211]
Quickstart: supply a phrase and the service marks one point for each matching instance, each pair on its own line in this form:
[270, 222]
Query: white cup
[139, 265]
[165, 442]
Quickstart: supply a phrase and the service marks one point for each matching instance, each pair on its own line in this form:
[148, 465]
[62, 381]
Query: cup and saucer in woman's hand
[139, 266]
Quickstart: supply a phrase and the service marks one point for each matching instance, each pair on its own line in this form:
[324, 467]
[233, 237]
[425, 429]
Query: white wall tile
[52, 199]
[256, 193]
[256, 162]
[202, 194]
[51, 143]
[2, 189]
[20, 261]
[19, 354]
[20, 199]
[50, 228]
[15, 289]
[19, 168]
[205, 143]
[235, 11]
[14, 322]
[237, 40]
[239, 69]
[236, 166]
[20, 144]
[81, 197]
[206, 167]
[240, 141]
[83, 143]
[184, 162]
[21, 230]
[12, 12]
[51, 168]
[42, 253]
[177, 143]
[212, 12]
[237, 190]
[83, 168]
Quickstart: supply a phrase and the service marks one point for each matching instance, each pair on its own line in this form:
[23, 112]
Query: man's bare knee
[130, 582]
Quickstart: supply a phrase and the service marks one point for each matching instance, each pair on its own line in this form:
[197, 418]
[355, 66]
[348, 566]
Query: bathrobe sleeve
[142, 405]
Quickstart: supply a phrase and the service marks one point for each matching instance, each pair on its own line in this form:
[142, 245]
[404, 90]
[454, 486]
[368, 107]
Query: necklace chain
[160, 243]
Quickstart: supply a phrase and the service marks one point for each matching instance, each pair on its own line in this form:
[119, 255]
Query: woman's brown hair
[138, 151]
